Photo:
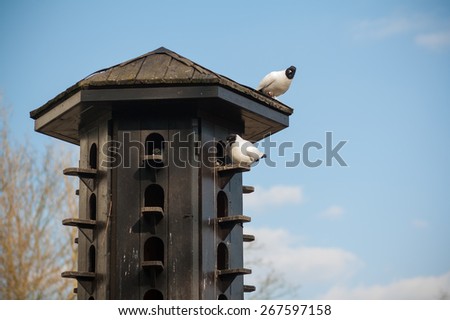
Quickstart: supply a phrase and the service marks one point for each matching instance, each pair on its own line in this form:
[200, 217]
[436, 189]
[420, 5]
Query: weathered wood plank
[98, 77]
[125, 73]
[154, 67]
[178, 70]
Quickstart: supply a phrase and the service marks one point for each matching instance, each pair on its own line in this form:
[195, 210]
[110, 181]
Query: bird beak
[264, 156]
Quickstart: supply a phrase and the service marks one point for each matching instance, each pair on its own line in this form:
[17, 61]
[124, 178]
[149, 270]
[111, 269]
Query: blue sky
[374, 73]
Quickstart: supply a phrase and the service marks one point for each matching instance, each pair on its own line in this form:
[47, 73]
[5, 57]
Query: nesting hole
[222, 256]
[91, 261]
[220, 153]
[153, 294]
[93, 207]
[154, 249]
[222, 204]
[154, 144]
[154, 196]
[93, 156]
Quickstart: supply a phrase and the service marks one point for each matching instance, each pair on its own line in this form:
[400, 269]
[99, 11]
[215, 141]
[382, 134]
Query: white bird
[277, 82]
[241, 151]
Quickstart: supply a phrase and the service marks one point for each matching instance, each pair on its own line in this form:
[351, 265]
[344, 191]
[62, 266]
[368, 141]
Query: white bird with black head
[277, 82]
[241, 151]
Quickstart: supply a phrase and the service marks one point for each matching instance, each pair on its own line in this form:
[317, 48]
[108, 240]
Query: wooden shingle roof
[159, 67]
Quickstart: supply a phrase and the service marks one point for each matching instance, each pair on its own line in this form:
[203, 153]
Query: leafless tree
[34, 196]
[270, 283]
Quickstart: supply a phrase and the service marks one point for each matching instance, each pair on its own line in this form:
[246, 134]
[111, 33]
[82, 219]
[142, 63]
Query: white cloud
[302, 265]
[333, 212]
[280, 252]
[431, 287]
[386, 27]
[277, 195]
[434, 41]
[425, 31]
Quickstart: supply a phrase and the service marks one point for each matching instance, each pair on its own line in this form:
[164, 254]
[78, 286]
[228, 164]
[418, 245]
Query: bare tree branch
[34, 196]
[270, 284]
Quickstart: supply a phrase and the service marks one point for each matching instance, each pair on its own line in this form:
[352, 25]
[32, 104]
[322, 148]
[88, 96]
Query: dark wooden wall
[186, 229]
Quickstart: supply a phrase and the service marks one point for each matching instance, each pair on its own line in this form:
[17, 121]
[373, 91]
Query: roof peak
[161, 50]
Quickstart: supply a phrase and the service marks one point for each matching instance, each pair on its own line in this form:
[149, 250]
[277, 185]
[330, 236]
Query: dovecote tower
[160, 208]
